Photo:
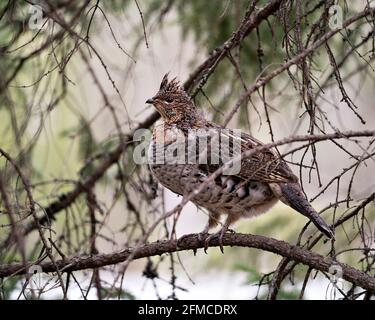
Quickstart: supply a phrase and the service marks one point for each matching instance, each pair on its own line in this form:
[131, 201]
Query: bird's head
[173, 103]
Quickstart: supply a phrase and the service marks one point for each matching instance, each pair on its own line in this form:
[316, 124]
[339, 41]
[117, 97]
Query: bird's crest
[164, 82]
[172, 87]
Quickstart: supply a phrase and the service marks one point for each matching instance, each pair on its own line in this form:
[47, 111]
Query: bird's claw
[202, 235]
[206, 238]
[219, 235]
[182, 239]
[207, 241]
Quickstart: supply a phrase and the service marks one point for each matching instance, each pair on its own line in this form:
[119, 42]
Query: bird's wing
[263, 166]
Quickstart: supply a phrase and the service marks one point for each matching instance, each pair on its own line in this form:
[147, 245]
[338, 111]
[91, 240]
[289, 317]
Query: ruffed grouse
[262, 180]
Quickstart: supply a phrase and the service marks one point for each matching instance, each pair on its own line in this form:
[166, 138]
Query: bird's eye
[169, 100]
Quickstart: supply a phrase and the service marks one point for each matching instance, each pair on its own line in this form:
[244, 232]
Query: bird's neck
[186, 121]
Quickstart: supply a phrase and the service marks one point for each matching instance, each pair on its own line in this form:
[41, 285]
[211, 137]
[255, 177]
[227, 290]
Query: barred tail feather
[293, 196]
[321, 224]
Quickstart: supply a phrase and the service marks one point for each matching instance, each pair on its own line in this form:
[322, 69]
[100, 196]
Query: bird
[262, 180]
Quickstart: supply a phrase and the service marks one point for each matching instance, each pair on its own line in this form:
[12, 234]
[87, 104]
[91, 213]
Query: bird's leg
[203, 234]
[230, 219]
[213, 220]
[219, 234]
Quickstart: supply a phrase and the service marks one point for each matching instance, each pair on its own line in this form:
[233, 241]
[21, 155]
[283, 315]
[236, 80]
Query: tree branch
[248, 24]
[296, 59]
[191, 242]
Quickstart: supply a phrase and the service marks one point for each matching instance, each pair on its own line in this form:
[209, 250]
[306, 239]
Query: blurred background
[74, 82]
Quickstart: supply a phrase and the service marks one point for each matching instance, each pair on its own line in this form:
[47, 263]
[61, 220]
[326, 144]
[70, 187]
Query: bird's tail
[292, 195]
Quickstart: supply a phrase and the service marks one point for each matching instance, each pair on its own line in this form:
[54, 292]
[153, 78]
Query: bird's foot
[183, 239]
[202, 236]
[220, 234]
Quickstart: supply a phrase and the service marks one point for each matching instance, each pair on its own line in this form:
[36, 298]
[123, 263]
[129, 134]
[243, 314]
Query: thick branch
[191, 242]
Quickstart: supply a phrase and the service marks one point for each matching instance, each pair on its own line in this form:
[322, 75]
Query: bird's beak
[150, 101]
